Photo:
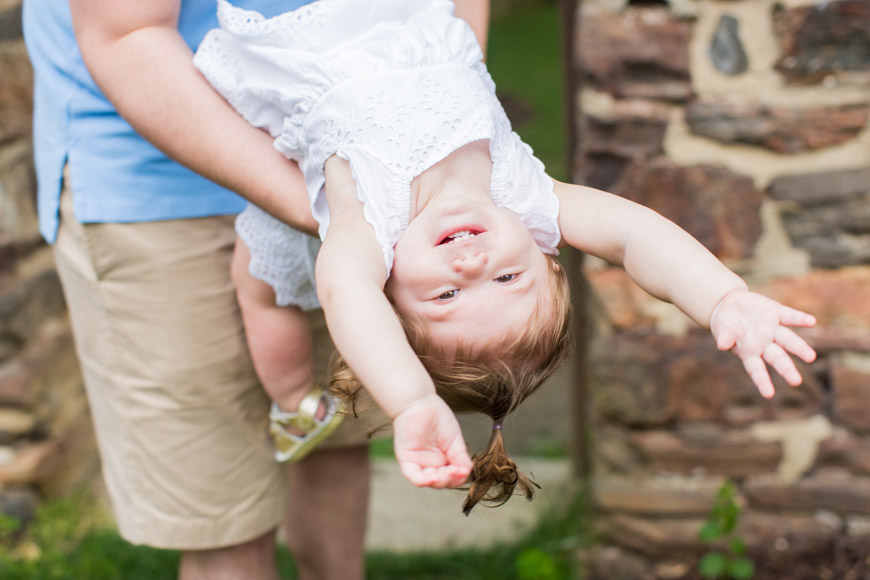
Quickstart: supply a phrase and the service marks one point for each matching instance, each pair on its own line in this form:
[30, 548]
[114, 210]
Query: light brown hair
[493, 381]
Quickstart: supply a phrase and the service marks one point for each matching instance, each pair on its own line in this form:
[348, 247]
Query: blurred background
[746, 122]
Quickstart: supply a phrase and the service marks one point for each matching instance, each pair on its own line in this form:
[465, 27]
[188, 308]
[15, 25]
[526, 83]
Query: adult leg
[326, 523]
[254, 560]
[179, 414]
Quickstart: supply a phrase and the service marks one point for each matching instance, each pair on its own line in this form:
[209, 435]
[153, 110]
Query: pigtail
[494, 476]
[343, 384]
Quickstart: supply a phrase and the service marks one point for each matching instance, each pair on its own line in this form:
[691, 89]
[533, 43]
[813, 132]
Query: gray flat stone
[404, 518]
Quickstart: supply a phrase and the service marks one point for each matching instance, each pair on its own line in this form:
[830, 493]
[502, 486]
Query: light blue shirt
[116, 176]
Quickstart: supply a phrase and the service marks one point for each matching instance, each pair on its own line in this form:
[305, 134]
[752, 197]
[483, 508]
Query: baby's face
[470, 270]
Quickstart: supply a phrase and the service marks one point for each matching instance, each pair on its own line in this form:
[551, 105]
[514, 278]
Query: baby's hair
[493, 381]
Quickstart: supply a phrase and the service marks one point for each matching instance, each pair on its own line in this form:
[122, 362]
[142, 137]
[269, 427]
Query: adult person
[136, 157]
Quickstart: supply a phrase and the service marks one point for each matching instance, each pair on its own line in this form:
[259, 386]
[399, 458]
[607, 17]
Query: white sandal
[290, 447]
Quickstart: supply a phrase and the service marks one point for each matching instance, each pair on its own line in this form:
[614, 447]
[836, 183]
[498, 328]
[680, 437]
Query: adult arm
[672, 265]
[137, 57]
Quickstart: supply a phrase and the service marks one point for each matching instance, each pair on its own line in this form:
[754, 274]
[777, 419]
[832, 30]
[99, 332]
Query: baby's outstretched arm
[672, 265]
[350, 275]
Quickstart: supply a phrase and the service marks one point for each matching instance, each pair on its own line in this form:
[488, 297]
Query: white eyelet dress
[392, 86]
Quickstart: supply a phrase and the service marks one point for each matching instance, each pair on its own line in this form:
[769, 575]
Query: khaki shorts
[181, 420]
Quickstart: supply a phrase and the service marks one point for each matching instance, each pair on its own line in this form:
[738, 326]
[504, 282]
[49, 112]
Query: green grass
[68, 540]
[525, 61]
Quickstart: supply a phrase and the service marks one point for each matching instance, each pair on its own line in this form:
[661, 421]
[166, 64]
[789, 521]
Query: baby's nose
[470, 265]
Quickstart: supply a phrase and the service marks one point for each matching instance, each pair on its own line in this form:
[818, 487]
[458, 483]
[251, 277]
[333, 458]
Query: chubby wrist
[728, 294]
[413, 404]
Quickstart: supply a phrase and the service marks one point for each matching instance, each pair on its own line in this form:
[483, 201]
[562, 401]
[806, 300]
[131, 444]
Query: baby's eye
[448, 295]
[506, 278]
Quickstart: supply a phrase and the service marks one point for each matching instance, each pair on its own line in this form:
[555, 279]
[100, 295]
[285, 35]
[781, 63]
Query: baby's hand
[754, 327]
[429, 444]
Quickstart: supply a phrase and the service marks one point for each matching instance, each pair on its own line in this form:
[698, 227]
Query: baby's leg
[279, 337]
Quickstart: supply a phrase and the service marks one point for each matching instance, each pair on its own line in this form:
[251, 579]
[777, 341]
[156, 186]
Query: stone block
[846, 450]
[16, 90]
[10, 21]
[15, 384]
[646, 379]
[29, 303]
[790, 533]
[830, 340]
[622, 301]
[655, 496]
[630, 138]
[800, 441]
[656, 538]
[780, 544]
[599, 170]
[47, 365]
[15, 423]
[823, 38]
[822, 188]
[850, 385]
[30, 463]
[835, 236]
[726, 49]
[717, 206]
[837, 298]
[11, 251]
[639, 53]
[76, 461]
[613, 451]
[735, 454]
[814, 556]
[781, 129]
[18, 221]
[832, 490]
[858, 526]
[614, 563]
[625, 383]
[19, 503]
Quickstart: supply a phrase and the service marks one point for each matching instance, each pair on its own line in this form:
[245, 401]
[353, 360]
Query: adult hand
[429, 444]
[756, 329]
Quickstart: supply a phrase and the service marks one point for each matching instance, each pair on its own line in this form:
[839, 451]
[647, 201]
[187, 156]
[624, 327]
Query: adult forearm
[146, 71]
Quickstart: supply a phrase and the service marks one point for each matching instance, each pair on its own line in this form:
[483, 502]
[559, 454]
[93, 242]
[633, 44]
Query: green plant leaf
[709, 532]
[741, 569]
[536, 564]
[738, 546]
[713, 565]
[8, 525]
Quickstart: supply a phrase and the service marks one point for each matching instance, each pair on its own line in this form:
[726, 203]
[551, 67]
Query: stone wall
[46, 443]
[745, 121]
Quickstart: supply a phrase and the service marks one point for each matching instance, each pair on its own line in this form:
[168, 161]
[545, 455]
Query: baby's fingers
[446, 476]
[757, 371]
[790, 341]
[776, 357]
[793, 317]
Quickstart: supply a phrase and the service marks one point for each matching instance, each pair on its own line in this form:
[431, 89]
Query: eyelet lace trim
[393, 102]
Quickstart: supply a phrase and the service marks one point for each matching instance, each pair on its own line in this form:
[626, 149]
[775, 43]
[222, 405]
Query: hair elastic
[496, 426]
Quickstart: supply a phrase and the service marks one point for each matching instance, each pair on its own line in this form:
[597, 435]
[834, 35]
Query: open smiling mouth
[459, 236]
